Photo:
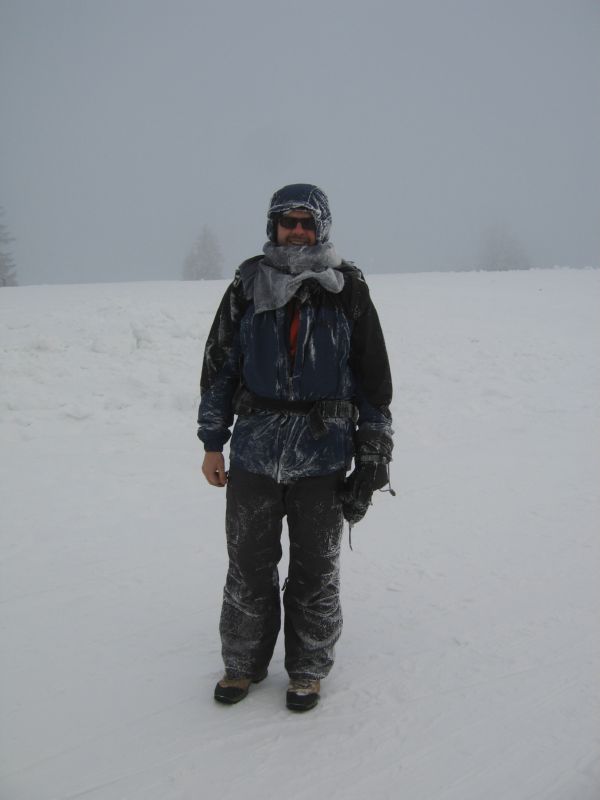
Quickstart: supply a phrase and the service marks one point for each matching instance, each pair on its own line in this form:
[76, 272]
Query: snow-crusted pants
[251, 614]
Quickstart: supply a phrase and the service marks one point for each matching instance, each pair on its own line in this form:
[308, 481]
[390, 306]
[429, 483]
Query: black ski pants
[251, 613]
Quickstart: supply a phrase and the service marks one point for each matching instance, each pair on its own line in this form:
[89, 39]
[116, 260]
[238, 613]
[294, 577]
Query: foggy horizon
[127, 127]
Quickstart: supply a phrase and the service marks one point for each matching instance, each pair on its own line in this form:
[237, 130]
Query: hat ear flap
[272, 228]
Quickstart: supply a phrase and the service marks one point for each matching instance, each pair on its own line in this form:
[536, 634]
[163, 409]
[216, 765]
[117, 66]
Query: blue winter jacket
[340, 354]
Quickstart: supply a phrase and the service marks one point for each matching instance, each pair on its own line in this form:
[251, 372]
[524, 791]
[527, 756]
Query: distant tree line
[205, 259]
[8, 269]
[501, 250]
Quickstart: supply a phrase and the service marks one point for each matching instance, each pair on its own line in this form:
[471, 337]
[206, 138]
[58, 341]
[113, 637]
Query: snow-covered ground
[468, 667]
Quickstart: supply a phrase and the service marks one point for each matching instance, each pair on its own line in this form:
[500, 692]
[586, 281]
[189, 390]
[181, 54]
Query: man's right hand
[213, 468]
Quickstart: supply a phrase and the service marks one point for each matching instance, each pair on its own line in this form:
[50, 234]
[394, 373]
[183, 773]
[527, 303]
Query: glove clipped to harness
[373, 454]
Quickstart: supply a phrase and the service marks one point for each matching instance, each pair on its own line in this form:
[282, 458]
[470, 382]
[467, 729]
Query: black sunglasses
[306, 223]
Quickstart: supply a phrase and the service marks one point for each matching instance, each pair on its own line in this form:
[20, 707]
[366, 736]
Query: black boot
[302, 694]
[231, 690]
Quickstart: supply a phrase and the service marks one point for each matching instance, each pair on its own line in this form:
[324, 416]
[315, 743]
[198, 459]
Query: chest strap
[246, 402]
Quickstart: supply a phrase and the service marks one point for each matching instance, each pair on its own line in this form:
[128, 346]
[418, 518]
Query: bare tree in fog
[205, 260]
[502, 250]
[8, 270]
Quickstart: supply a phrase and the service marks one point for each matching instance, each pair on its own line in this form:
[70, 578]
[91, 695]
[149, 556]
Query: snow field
[469, 659]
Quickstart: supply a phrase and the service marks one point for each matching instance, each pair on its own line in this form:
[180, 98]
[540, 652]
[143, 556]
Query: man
[297, 352]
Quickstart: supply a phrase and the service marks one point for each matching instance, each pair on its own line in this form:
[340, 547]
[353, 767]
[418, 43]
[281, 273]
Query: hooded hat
[300, 195]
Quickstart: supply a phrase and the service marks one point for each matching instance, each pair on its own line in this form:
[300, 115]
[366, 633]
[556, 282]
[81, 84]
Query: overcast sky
[126, 125]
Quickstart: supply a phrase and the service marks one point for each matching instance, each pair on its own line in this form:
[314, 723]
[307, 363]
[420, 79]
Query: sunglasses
[306, 223]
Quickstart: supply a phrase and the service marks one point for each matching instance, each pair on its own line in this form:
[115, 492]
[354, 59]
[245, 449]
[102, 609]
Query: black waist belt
[245, 402]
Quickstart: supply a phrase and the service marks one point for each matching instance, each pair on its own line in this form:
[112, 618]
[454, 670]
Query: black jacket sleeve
[371, 370]
[221, 369]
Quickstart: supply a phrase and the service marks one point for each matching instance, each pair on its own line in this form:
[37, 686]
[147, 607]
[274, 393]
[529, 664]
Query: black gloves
[367, 477]
[373, 453]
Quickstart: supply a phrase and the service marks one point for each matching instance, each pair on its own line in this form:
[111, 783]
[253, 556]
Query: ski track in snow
[469, 659]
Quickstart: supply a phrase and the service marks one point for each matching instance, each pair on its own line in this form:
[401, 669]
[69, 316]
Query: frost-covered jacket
[340, 354]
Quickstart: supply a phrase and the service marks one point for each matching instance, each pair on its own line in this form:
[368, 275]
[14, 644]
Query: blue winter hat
[300, 195]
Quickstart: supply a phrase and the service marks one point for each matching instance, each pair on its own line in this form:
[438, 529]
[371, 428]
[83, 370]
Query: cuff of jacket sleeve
[366, 458]
[373, 445]
[211, 444]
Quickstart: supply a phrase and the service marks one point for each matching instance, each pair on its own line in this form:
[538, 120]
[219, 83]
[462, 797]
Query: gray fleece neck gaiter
[283, 270]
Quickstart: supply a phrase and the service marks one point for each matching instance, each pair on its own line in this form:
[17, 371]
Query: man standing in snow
[297, 353]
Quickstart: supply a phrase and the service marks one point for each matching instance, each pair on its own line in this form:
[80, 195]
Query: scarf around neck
[283, 270]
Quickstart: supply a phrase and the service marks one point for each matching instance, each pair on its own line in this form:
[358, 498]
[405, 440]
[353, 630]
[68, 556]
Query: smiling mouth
[298, 239]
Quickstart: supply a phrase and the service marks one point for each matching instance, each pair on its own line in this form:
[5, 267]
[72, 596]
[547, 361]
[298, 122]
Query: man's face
[296, 235]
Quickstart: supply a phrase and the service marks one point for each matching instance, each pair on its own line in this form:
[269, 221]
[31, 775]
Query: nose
[296, 225]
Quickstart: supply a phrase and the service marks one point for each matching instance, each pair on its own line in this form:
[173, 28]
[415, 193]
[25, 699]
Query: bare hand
[213, 468]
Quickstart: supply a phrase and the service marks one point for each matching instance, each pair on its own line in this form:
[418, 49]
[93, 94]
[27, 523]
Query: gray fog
[128, 125]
